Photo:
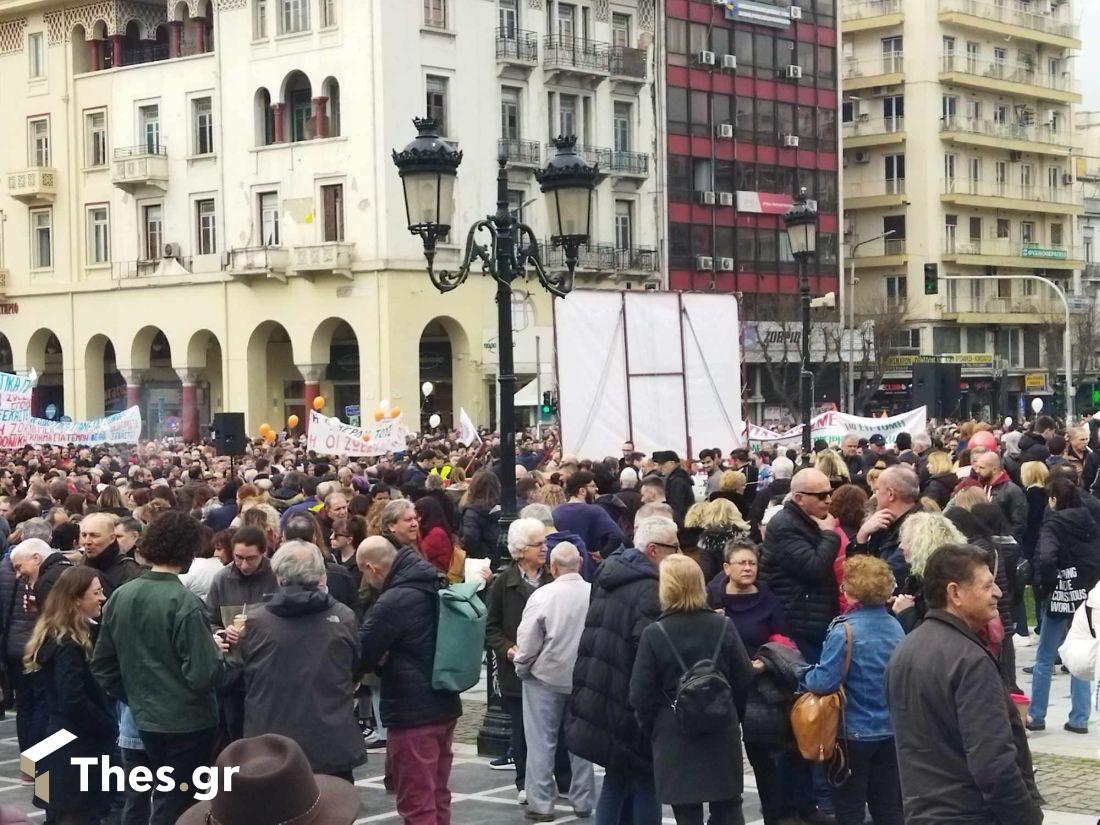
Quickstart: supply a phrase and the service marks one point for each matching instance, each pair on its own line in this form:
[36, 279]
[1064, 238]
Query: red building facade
[751, 107]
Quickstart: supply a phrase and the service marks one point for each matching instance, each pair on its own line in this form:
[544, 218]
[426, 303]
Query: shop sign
[1043, 252]
[974, 360]
[1036, 383]
[767, 203]
[760, 14]
[9, 309]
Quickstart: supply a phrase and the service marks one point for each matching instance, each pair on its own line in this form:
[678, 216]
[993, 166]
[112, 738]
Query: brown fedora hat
[275, 786]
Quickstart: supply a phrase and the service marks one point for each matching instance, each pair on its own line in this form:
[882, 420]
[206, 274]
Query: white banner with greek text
[121, 428]
[330, 436]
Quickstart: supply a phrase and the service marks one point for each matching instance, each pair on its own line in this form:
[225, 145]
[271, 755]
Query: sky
[1088, 69]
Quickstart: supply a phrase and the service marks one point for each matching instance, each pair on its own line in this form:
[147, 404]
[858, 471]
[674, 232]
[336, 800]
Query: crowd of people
[659, 616]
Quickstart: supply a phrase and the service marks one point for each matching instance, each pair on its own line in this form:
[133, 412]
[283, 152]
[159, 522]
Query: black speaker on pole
[936, 386]
[227, 433]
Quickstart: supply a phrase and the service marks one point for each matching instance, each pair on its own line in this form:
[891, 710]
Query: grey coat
[300, 653]
[230, 591]
[687, 769]
[961, 745]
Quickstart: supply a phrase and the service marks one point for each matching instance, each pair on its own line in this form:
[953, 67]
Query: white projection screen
[662, 369]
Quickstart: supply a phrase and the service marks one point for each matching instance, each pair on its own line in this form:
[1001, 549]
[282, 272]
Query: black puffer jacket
[601, 726]
[1067, 562]
[480, 532]
[115, 568]
[940, 488]
[52, 567]
[797, 564]
[17, 613]
[401, 622]
[1032, 447]
[767, 719]
[679, 493]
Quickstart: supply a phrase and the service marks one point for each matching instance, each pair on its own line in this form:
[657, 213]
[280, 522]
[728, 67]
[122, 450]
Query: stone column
[96, 47]
[175, 38]
[200, 35]
[116, 50]
[189, 415]
[312, 373]
[319, 116]
[277, 110]
[133, 386]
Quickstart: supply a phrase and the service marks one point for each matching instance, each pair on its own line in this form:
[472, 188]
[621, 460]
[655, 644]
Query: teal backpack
[459, 638]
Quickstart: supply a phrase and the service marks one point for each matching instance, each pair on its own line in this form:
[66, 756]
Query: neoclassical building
[201, 213]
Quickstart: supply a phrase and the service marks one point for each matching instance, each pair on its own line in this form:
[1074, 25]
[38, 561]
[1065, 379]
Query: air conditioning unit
[1067, 180]
[796, 13]
[725, 198]
[861, 157]
[1015, 157]
[706, 198]
[849, 225]
[794, 72]
[172, 250]
[703, 262]
[729, 62]
[863, 110]
[705, 58]
[790, 141]
[724, 131]
[725, 264]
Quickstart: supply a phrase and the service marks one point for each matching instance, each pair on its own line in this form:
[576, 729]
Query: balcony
[34, 186]
[628, 67]
[616, 162]
[884, 252]
[1092, 272]
[865, 15]
[321, 258]
[604, 260]
[866, 131]
[523, 153]
[576, 57]
[986, 307]
[258, 261]
[1013, 19]
[518, 48]
[1047, 200]
[1011, 137]
[1003, 252]
[874, 194]
[1021, 80]
[140, 167]
[868, 72]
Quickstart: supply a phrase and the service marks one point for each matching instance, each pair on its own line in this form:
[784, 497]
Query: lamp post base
[495, 734]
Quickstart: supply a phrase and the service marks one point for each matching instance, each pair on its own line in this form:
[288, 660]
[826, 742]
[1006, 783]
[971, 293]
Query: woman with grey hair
[921, 535]
[302, 642]
[508, 596]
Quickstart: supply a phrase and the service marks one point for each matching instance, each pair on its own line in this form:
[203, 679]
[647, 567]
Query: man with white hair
[601, 726]
[897, 492]
[39, 565]
[629, 494]
[777, 489]
[554, 536]
[546, 651]
[302, 642]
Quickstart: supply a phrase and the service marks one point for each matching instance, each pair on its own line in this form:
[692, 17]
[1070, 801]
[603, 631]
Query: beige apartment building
[958, 137]
[199, 211]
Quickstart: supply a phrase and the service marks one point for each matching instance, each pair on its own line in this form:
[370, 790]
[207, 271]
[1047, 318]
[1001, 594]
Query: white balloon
[427, 388]
[1036, 405]
[1008, 421]
[1096, 415]
[385, 405]
[433, 420]
[33, 376]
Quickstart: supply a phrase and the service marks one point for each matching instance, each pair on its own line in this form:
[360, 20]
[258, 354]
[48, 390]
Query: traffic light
[547, 408]
[931, 279]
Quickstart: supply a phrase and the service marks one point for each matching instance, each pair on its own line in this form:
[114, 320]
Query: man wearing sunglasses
[797, 561]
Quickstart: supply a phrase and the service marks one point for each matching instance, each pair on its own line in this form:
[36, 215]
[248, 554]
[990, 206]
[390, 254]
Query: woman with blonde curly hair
[551, 495]
[721, 523]
[832, 465]
[921, 535]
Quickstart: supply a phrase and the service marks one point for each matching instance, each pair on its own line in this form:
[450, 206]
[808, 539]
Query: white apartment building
[958, 135]
[202, 214]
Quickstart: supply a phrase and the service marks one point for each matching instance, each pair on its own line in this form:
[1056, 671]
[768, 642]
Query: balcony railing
[596, 257]
[1042, 254]
[1005, 131]
[38, 184]
[893, 63]
[519, 152]
[138, 166]
[613, 161]
[322, 257]
[257, 260]
[1014, 14]
[873, 188]
[863, 9]
[881, 248]
[985, 303]
[517, 46]
[150, 53]
[627, 63]
[867, 126]
[1006, 72]
[995, 189]
[576, 54]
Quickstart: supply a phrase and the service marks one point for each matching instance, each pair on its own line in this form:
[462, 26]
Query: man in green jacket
[155, 653]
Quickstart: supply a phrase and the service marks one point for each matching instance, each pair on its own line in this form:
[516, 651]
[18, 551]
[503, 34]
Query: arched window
[332, 107]
[298, 97]
[265, 119]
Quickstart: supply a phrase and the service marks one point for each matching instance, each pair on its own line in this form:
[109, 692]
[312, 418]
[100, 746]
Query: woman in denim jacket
[867, 737]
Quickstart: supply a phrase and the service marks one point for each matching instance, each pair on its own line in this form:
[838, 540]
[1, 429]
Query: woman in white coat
[1081, 650]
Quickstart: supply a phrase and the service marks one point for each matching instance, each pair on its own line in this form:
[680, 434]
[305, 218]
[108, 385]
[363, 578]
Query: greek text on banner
[329, 436]
[122, 428]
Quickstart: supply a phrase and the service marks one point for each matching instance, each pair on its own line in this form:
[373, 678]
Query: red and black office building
[751, 107]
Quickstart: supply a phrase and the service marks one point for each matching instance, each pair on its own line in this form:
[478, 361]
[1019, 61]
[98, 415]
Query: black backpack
[704, 700]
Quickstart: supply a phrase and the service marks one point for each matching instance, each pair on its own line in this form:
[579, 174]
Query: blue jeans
[628, 797]
[1052, 633]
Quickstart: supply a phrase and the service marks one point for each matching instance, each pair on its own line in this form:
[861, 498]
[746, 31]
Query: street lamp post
[801, 222]
[851, 305]
[428, 167]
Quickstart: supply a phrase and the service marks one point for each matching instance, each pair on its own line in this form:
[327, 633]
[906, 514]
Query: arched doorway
[437, 366]
[7, 357]
[204, 376]
[104, 386]
[161, 391]
[46, 357]
[298, 98]
[276, 389]
[336, 346]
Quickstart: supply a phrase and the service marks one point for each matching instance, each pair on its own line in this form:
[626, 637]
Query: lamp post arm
[447, 280]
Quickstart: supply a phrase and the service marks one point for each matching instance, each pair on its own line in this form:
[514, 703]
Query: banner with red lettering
[331, 436]
[121, 428]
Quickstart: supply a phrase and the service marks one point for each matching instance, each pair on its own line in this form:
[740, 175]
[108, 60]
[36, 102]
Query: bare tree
[879, 328]
[1085, 331]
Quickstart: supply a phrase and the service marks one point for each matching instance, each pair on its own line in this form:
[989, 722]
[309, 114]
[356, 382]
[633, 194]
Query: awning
[528, 395]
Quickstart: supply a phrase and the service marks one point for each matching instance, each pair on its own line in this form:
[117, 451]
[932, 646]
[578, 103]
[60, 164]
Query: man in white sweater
[546, 650]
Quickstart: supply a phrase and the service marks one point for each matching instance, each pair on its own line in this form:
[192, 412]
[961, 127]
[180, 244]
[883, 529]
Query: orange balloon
[269, 436]
[292, 422]
[265, 429]
[379, 415]
[319, 402]
[366, 436]
[396, 411]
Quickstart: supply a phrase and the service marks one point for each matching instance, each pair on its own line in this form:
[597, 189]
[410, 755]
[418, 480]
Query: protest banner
[467, 431]
[15, 395]
[833, 426]
[330, 436]
[121, 428]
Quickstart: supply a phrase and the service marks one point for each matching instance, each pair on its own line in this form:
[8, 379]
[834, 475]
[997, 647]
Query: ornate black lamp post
[428, 167]
[801, 223]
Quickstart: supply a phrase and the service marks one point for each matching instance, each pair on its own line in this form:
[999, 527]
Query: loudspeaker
[936, 386]
[227, 433]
